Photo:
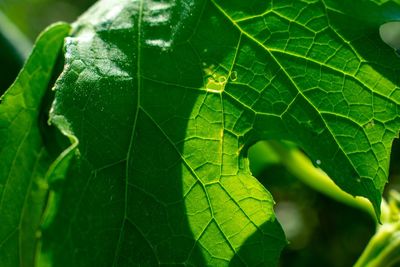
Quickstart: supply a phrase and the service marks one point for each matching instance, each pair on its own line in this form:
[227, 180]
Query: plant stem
[298, 164]
[383, 249]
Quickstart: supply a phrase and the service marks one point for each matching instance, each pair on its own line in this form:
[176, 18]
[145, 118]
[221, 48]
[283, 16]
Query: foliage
[24, 157]
[161, 101]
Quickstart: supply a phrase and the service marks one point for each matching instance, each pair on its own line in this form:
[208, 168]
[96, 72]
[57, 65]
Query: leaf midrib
[132, 135]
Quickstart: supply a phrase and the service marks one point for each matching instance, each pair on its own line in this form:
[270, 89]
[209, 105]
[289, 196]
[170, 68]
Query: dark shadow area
[260, 249]
[54, 141]
[321, 232]
[394, 172]
[11, 63]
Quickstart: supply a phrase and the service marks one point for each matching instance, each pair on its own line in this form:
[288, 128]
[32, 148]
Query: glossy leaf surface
[166, 96]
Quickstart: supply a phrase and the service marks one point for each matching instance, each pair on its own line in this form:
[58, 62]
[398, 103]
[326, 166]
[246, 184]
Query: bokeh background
[21, 21]
[31, 16]
[321, 231]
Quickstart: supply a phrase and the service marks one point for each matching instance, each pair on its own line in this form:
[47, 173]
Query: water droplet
[358, 180]
[233, 75]
[318, 162]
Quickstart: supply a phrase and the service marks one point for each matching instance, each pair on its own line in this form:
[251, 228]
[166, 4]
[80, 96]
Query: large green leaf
[24, 159]
[165, 97]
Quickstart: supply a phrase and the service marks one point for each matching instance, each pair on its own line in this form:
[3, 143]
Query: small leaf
[23, 158]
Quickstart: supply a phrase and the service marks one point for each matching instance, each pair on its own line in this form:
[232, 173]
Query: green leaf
[341, 98]
[24, 159]
[165, 98]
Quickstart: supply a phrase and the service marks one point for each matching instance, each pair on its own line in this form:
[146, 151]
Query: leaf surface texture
[166, 96]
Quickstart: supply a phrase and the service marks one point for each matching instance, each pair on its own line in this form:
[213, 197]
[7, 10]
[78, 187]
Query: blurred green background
[29, 17]
[322, 232]
[32, 16]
